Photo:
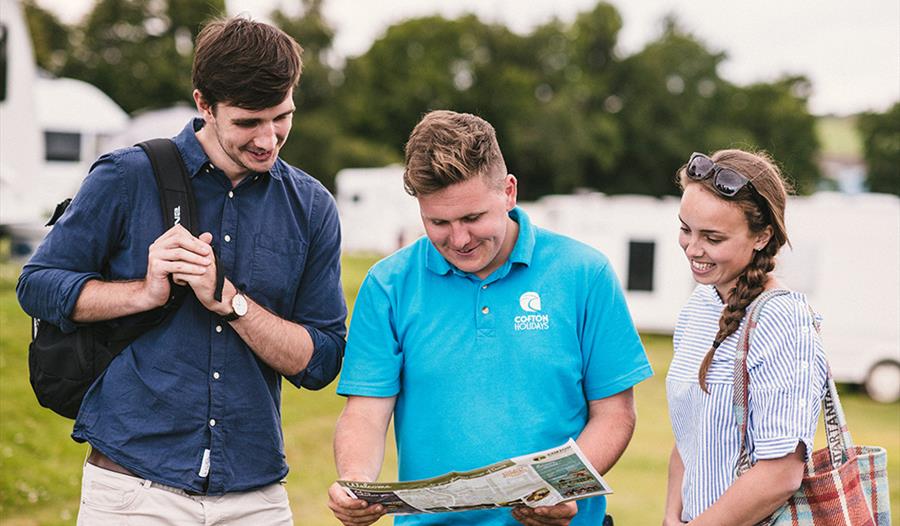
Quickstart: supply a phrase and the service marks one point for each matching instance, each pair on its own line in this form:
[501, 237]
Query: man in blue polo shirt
[488, 339]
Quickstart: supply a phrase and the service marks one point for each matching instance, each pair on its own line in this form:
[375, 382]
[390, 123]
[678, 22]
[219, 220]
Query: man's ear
[511, 191]
[203, 107]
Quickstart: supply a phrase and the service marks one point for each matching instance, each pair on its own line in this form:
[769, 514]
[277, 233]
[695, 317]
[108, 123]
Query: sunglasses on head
[725, 180]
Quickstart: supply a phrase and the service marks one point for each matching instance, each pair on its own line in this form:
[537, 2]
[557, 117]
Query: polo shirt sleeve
[613, 356]
[787, 372]
[77, 248]
[374, 360]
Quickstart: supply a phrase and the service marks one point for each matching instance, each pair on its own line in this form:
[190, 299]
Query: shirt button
[805, 330]
[485, 310]
[212, 422]
[218, 328]
[216, 375]
[484, 287]
[227, 238]
[230, 194]
[804, 365]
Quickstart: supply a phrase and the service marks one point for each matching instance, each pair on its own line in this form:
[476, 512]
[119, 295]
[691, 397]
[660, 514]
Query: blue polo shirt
[488, 369]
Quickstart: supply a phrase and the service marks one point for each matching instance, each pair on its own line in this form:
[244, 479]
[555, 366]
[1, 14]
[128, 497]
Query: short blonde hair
[446, 148]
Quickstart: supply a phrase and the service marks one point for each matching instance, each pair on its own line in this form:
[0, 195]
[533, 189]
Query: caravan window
[4, 62]
[640, 265]
[62, 146]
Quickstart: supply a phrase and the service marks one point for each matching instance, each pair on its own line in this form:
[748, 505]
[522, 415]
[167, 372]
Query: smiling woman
[732, 227]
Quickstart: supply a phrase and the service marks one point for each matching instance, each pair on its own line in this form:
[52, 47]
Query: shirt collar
[521, 253]
[524, 247]
[711, 296]
[195, 158]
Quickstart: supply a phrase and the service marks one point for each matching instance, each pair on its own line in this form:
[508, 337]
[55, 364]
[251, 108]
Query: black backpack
[63, 366]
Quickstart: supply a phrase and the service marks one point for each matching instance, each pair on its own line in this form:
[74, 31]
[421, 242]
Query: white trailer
[845, 256]
[377, 215]
[21, 147]
[51, 130]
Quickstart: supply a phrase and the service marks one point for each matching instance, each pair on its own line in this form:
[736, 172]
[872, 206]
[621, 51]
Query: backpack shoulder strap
[176, 196]
[175, 192]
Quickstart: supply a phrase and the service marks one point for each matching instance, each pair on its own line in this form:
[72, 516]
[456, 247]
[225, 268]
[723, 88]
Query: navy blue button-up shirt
[190, 388]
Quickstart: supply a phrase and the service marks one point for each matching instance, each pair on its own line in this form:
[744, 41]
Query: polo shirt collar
[523, 250]
[521, 253]
[195, 158]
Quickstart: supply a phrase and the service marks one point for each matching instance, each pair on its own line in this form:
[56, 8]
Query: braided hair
[763, 203]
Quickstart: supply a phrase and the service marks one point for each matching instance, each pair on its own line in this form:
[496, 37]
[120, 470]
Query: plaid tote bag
[844, 484]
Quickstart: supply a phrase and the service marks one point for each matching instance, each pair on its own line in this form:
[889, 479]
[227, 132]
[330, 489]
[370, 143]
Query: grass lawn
[40, 466]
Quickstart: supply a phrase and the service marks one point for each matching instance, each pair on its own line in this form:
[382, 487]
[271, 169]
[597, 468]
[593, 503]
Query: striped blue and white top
[787, 369]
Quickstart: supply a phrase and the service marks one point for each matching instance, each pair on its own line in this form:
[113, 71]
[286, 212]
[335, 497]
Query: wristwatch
[238, 307]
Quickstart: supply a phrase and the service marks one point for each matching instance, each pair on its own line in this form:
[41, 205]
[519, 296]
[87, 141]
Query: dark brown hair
[248, 64]
[763, 202]
[446, 148]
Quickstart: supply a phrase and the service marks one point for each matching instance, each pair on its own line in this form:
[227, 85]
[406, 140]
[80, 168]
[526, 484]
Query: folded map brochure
[544, 478]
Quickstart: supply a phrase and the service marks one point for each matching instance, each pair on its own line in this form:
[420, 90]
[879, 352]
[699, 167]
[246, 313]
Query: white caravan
[21, 148]
[51, 130]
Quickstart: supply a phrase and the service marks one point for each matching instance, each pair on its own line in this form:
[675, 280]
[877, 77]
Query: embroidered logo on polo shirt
[531, 303]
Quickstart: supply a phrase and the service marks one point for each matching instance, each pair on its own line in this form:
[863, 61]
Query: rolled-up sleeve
[76, 248]
[319, 306]
[787, 373]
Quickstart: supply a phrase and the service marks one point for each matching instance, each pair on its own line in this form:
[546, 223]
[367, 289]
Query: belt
[102, 461]
[96, 458]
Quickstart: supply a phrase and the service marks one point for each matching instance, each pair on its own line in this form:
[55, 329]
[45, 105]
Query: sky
[850, 50]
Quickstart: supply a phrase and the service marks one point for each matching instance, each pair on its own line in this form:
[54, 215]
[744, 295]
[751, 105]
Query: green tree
[139, 52]
[672, 102]
[316, 36]
[881, 146]
[424, 64]
[775, 118]
[569, 111]
[319, 142]
[50, 37]
[537, 90]
[564, 138]
[433, 63]
[664, 97]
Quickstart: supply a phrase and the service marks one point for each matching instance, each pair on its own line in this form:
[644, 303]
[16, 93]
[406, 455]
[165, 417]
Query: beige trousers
[113, 499]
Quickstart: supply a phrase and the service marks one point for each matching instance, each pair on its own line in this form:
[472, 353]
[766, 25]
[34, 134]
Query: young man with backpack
[184, 424]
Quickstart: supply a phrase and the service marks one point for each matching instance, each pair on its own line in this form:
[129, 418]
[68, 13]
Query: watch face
[239, 304]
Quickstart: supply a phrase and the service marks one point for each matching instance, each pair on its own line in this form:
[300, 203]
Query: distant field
[839, 136]
[40, 467]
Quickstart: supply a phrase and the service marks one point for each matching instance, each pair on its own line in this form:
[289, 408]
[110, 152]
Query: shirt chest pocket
[721, 370]
[277, 268]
